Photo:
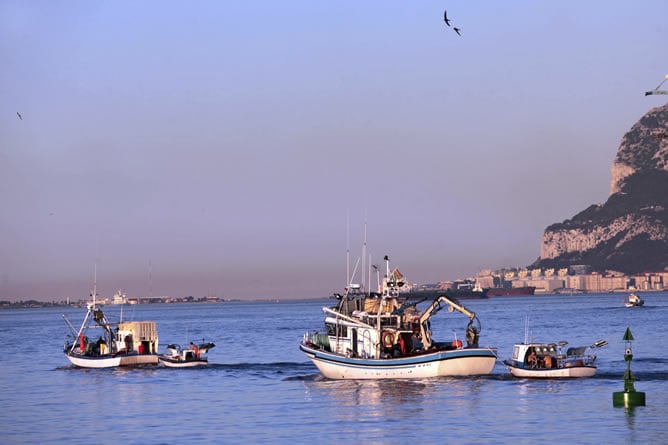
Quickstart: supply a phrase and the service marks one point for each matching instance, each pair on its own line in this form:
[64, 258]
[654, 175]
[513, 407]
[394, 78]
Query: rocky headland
[629, 232]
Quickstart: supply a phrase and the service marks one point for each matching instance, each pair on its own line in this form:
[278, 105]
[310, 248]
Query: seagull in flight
[445, 17]
[457, 30]
[19, 115]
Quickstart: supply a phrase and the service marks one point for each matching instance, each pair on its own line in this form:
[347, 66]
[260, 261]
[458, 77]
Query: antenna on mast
[348, 247]
[364, 258]
[369, 290]
[526, 330]
[94, 283]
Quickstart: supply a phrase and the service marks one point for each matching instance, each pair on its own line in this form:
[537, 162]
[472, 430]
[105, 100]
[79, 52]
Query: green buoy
[629, 397]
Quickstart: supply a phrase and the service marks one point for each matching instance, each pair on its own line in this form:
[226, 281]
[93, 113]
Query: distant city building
[578, 269]
[575, 278]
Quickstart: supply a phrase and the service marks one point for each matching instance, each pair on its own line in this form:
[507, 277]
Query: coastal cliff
[629, 232]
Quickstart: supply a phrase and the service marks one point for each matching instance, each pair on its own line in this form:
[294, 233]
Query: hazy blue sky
[225, 143]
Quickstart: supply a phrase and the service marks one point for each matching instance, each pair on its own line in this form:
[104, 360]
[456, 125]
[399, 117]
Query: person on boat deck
[82, 342]
[402, 345]
[195, 349]
[548, 362]
[531, 358]
[140, 349]
[128, 343]
[387, 352]
[416, 343]
[98, 346]
[472, 336]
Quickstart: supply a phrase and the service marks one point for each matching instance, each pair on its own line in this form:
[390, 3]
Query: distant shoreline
[33, 304]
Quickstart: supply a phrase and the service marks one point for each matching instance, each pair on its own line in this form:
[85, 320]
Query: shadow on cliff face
[640, 245]
[644, 191]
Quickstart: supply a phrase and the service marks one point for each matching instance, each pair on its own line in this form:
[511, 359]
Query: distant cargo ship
[461, 289]
[459, 293]
[501, 291]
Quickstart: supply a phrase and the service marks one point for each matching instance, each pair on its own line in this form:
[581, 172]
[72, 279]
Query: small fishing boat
[633, 300]
[547, 360]
[125, 343]
[381, 335]
[177, 357]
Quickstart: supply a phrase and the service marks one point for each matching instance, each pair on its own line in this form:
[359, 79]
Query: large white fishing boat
[99, 343]
[380, 335]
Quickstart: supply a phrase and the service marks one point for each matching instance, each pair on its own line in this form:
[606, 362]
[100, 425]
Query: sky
[243, 149]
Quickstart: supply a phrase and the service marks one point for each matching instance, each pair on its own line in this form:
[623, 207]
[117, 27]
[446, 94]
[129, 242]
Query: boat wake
[641, 376]
[265, 369]
[291, 371]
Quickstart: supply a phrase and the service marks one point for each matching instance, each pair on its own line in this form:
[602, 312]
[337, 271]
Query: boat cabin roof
[540, 348]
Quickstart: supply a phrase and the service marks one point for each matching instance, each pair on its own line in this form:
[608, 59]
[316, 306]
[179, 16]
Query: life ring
[388, 339]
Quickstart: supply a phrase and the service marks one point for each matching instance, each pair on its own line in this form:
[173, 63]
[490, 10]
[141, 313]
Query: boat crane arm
[472, 331]
[436, 306]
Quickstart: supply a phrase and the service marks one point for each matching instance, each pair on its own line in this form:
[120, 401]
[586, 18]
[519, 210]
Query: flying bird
[457, 30]
[445, 17]
[19, 115]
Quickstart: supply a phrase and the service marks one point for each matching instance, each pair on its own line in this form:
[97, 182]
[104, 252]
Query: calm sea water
[259, 388]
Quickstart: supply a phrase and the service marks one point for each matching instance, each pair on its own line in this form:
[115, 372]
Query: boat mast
[364, 289]
[94, 285]
[369, 280]
[386, 290]
[348, 248]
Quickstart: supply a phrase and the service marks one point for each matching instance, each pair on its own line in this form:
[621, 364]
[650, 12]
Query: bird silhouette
[19, 115]
[445, 17]
[457, 30]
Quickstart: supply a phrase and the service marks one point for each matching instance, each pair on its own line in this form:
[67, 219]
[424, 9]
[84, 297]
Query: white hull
[468, 362]
[82, 361]
[572, 372]
[94, 362]
[171, 363]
